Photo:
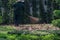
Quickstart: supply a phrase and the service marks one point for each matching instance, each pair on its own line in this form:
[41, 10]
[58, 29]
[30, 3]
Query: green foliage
[7, 12]
[7, 36]
[4, 35]
[57, 37]
[48, 37]
[27, 37]
[57, 14]
[11, 37]
[57, 1]
[1, 19]
[56, 22]
[6, 28]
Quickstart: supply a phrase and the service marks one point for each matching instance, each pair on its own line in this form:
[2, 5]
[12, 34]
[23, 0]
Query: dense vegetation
[51, 16]
[6, 10]
[10, 33]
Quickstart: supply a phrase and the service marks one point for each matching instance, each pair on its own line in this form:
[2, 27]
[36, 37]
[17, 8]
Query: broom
[33, 19]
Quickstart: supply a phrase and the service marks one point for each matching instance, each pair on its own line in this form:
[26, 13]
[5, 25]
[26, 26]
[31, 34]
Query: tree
[48, 15]
[27, 11]
[34, 8]
[7, 12]
[56, 4]
[42, 13]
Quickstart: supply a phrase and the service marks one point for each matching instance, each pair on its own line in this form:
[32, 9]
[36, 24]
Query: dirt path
[37, 27]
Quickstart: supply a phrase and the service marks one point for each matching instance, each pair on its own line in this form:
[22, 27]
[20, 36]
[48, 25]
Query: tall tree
[46, 16]
[27, 11]
[42, 13]
[5, 11]
[34, 8]
[49, 11]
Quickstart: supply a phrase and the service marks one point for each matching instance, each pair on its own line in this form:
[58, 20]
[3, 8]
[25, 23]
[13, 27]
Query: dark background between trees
[6, 10]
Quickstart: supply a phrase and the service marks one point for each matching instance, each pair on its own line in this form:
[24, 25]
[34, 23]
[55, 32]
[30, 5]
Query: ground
[29, 27]
[30, 31]
[37, 27]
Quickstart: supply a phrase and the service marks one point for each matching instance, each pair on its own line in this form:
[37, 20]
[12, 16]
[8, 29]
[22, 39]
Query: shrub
[48, 37]
[27, 37]
[57, 37]
[56, 22]
[3, 35]
[7, 28]
[1, 19]
[11, 37]
[56, 14]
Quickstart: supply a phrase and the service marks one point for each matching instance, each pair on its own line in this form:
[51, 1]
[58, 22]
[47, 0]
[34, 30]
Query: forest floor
[10, 32]
[37, 27]
[32, 27]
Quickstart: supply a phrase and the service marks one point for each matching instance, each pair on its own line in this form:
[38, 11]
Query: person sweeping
[19, 15]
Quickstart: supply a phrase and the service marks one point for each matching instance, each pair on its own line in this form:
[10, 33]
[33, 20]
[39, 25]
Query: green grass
[27, 35]
[6, 28]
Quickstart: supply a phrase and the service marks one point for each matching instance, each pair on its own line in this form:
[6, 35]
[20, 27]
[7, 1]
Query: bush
[25, 34]
[27, 37]
[1, 19]
[11, 37]
[57, 37]
[3, 35]
[56, 14]
[56, 22]
[7, 28]
[48, 37]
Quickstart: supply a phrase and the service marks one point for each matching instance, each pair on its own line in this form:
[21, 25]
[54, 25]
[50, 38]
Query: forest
[41, 20]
